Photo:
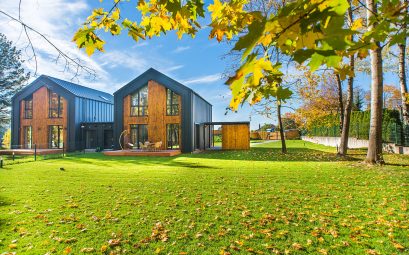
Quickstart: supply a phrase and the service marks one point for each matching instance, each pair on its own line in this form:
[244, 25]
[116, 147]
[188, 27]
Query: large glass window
[172, 136]
[172, 103]
[28, 108]
[139, 134]
[55, 137]
[55, 103]
[139, 102]
[28, 137]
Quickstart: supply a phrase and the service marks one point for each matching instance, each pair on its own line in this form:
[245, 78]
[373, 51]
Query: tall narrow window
[139, 102]
[55, 103]
[55, 137]
[172, 136]
[172, 103]
[28, 137]
[139, 134]
[28, 107]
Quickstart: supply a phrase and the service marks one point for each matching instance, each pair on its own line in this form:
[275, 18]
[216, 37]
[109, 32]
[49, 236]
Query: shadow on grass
[110, 161]
[274, 154]
[254, 154]
[3, 202]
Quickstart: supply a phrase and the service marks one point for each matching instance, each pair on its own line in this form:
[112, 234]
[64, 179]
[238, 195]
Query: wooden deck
[30, 151]
[161, 153]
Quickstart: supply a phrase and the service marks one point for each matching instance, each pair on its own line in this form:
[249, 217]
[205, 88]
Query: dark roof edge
[173, 80]
[41, 77]
[76, 84]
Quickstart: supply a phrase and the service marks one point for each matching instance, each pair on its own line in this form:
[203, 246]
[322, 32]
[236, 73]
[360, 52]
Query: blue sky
[197, 62]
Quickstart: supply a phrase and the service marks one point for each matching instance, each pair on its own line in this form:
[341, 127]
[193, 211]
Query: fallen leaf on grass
[67, 250]
[114, 242]
[398, 246]
[71, 240]
[13, 246]
[85, 250]
[372, 252]
[297, 246]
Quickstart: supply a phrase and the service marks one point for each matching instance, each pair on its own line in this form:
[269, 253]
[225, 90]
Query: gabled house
[155, 108]
[52, 113]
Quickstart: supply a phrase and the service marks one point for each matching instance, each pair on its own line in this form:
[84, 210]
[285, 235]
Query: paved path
[269, 141]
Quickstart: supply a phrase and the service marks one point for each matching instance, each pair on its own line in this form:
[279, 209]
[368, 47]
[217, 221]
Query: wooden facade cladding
[236, 137]
[156, 120]
[40, 121]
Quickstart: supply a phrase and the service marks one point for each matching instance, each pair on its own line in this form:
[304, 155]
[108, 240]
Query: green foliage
[12, 76]
[235, 201]
[313, 32]
[6, 140]
[359, 126]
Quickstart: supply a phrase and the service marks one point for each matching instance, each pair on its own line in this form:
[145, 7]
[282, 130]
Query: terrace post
[35, 152]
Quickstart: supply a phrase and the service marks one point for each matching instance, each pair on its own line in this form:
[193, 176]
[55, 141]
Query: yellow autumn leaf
[115, 14]
[357, 24]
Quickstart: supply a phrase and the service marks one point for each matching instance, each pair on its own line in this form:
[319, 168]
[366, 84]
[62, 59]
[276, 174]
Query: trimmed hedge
[359, 127]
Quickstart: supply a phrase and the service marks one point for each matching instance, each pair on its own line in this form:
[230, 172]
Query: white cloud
[203, 79]
[58, 20]
[180, 49]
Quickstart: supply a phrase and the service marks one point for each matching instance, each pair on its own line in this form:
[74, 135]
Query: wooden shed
[235, 135]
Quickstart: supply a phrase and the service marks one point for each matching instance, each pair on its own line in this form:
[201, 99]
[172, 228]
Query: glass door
[28, 137]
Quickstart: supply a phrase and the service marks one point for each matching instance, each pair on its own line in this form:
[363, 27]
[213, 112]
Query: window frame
[28, 107]
[58, 109]
[170, 104]
[25, 129]
[139, 135]
[139, 109]
[170, 128]
[60, 137]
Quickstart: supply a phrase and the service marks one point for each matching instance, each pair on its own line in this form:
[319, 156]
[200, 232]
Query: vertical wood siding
[40, 120]
[156, 119]
[236, 137]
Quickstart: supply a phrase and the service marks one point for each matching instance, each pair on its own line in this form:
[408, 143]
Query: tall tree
[340, 101]
[12, 76]
[350, 93]
[374, 154]
[402, 76]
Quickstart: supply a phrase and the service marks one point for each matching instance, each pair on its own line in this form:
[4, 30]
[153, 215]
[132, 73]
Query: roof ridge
[76, 84]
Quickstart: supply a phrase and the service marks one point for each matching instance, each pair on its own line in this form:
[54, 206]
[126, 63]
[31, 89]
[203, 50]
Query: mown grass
[257, 201]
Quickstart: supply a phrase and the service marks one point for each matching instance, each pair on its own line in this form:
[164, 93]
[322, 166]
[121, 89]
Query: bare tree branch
[69, 61]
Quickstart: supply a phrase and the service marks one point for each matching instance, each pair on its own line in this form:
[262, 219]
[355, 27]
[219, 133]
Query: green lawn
[256, 201]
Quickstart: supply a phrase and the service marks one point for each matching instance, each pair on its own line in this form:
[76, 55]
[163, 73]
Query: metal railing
[18, 154]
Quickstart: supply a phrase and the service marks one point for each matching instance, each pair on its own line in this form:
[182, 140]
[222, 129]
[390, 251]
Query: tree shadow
[3, 202]
[109, 161]
[274, 154]
[254, 154]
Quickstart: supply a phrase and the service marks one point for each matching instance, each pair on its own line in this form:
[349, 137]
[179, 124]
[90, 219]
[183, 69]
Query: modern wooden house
[156, 108]
[51, 113]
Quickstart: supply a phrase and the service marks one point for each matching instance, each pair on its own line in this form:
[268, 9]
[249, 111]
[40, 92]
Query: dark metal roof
[84, 92]
[151, 72]
[226, 123]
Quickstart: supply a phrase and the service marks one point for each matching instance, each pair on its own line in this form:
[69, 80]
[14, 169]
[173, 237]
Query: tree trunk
[340, 101]
[402, 80]
[280, 126]
[374, 154]
[343, 148]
